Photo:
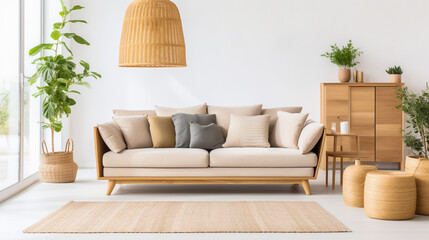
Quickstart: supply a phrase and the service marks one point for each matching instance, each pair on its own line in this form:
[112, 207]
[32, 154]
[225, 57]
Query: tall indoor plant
[58, 76]
[344, 58]
[416, 137]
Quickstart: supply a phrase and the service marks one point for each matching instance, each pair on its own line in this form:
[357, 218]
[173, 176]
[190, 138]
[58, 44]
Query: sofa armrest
[100, 149]
[318, 150]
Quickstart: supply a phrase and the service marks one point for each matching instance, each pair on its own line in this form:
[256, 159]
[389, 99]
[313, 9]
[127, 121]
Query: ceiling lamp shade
[152, 35]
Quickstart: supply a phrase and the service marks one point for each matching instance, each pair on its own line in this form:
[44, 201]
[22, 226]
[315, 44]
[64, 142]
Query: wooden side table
[340, 154]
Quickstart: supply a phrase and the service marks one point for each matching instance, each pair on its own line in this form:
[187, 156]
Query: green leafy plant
[394, 70]
[58, 73]
[416, 134]
[344, 57]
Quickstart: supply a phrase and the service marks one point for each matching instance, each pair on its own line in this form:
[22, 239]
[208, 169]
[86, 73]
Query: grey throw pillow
[181, 124]
[206, 136]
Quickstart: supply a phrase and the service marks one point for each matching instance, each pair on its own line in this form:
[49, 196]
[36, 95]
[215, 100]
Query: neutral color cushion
[248, 131]
[261, 157]
[181, 124]
[120, 112]
[287, 129]
[169, 111]
[223, 114]
[310, 135]
[206, 136]
[152, 158]
[208, 172]
[273, 113]
[135, 130]
[112, 136]
[162, 132]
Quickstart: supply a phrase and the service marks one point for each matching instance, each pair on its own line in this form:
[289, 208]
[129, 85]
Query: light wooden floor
[41, 199]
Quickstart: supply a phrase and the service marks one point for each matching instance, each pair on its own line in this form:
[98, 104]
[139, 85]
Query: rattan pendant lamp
[152, 35]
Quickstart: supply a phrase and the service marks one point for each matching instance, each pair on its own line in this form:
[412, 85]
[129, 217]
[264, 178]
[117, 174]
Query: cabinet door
[335, 109]
[388, 126]
[362, 119]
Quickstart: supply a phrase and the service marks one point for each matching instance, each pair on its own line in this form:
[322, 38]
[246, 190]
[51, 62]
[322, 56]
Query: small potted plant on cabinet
[395, 73]
[416, 137]
[58, 75]
[344, 58]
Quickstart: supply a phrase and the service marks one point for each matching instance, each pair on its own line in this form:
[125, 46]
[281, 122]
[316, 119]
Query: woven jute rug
[189, 217]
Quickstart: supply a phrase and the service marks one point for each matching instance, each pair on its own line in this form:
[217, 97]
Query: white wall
[242, 52]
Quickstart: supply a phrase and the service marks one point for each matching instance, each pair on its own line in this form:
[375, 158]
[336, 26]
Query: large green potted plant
[344, 58]
[416, 138]
[59, 76]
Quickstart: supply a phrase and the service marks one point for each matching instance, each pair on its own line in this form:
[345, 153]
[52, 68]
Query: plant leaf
[86, 84]
[76, 7]
[35, 50]
[66, 47]
[77, 21]
[84, 64]
[55, 35]
[76, 37]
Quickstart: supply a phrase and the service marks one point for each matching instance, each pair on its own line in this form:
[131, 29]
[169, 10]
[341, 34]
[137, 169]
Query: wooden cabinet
[370, 109]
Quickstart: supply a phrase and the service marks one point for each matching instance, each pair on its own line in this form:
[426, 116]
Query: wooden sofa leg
[110, 185]
[306, 186]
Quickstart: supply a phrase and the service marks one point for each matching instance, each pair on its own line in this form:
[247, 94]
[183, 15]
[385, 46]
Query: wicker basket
[354, 182]
[419, 167]
[390, 195]
[58, 167]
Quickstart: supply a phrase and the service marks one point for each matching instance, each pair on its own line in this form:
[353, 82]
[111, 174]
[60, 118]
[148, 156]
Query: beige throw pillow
[112, 136]
[273, 113]
[223, 114]
[287, 129]
[310, 135]
[135, 130]
[168, 111]
[248, 131]
[120, 112]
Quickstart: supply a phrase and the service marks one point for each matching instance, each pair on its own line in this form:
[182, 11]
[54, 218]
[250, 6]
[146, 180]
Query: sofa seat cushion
[208, 172]
[157, 158]
[261, 158]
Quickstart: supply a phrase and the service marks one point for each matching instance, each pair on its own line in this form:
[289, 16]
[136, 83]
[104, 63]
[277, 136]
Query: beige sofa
[198, 166]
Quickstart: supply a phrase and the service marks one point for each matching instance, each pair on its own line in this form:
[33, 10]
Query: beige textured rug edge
[189, 217]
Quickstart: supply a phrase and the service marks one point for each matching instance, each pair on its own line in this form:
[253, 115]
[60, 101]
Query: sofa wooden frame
[101, 148]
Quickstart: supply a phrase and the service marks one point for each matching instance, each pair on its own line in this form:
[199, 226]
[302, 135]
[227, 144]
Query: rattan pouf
[354, 182]
[390, 195]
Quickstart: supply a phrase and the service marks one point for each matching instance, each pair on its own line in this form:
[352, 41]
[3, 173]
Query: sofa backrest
[265, 111]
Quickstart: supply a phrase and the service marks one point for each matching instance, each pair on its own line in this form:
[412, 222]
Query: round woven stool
[390, 195]
[354, 182]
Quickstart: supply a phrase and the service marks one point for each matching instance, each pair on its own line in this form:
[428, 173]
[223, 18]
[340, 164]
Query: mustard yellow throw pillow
[162, 132]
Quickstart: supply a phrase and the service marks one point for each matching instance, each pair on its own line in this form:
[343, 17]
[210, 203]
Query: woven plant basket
[354, 182]
[419, 167]
[58, 167]
[390, 195]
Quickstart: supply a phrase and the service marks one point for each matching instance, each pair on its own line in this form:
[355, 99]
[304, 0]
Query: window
[21, 29]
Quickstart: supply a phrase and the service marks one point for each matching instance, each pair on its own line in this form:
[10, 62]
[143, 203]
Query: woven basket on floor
[58, 167]
[354, 182]
[390, 195]
[419, 167]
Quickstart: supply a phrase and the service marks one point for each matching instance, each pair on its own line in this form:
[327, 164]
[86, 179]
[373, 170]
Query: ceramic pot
[419, 167]
[354, 183]
[344, 75]
[395, 78]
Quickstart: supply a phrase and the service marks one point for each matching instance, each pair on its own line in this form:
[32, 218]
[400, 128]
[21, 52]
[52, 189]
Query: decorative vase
[395, 78]
[354, 183]
[419, 167]
[344, 75]
[58, 167]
